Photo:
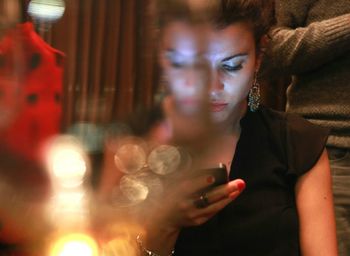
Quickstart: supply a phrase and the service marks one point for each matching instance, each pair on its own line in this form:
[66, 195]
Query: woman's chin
[219, 117]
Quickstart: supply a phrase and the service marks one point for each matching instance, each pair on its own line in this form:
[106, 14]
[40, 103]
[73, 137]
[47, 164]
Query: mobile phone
[219, 173]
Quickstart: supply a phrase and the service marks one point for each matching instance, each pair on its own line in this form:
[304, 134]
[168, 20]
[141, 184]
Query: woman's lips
[213, 106]
[217, 107]
[189, 102]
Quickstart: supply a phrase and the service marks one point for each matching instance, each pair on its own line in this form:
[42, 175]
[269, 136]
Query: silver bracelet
[146, 251]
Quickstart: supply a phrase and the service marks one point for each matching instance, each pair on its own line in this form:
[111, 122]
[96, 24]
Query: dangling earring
[254, 95]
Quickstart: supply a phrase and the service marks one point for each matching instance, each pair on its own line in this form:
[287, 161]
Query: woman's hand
[183, 204]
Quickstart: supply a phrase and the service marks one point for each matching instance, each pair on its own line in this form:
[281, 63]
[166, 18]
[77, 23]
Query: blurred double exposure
[72, 75]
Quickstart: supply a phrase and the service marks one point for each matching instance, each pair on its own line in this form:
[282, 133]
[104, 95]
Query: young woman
[286, 206]
[278, 200]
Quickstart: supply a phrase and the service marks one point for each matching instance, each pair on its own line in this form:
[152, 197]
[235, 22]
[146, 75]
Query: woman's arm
[315, 208]
[297, 47]
[177, 209]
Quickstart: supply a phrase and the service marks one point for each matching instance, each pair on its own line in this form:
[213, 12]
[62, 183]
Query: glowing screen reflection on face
[218, 67]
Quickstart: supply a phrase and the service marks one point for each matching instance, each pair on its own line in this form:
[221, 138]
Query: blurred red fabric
[31, 74]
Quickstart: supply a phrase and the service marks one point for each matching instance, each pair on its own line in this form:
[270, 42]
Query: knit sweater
[312, 43]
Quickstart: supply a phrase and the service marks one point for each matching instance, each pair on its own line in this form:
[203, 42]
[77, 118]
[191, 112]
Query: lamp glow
[73, 245]
[66, 161]
[46, 10]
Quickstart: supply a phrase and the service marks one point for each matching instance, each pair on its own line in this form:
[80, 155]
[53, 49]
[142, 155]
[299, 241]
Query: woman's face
[218, 63]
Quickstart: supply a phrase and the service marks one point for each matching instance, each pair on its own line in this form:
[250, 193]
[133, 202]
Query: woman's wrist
[157, 241]
[145, 251]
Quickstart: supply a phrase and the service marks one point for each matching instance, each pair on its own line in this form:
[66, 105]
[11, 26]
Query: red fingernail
[241, 186]
[210, 179]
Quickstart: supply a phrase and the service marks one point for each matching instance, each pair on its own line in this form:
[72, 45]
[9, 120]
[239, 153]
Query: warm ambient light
[74, 245]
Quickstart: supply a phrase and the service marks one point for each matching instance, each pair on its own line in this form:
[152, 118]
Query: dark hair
[221, 13]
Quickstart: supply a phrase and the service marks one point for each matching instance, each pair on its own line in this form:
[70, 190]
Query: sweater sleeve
[297, 49]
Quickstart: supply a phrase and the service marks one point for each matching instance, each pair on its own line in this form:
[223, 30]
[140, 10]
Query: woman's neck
[231, 126]
[227, 135]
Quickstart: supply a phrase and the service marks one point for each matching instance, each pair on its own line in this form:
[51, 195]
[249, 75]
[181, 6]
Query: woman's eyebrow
[175, 51]
[235, 56]
[170, 50]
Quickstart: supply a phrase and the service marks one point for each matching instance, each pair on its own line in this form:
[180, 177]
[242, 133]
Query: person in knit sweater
[312, 43]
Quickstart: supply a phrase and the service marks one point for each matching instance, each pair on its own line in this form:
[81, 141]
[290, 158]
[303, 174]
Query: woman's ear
[264, 42]
[261, 50]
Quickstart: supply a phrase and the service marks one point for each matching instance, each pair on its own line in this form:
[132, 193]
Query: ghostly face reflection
[200, 60]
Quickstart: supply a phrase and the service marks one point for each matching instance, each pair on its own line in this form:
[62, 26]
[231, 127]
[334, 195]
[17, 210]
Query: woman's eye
[231, 68]
[175, 60]
[175, 64]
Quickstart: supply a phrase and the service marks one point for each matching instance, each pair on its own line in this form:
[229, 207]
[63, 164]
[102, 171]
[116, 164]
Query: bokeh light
[130, 158]
[46, 10]
[75, 244]
[70, 207]
[133, 188]
[164, 159]
[90, 135]
[66, 161]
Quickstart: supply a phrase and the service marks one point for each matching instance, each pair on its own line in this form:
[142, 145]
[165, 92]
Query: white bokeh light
[68, 164]
[46, 10]
[66, 161]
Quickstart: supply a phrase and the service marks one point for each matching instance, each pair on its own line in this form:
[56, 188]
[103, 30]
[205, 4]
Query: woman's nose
[199, 75]
[215, 81]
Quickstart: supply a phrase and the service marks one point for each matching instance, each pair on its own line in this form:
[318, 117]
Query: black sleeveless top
[274, 149]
